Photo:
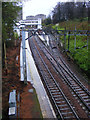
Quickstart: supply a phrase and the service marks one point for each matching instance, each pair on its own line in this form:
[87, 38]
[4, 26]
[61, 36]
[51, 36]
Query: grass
[57, 27]
[78, 50]
[84, 25]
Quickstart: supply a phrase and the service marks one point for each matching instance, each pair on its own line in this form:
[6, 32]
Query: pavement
[34, 78]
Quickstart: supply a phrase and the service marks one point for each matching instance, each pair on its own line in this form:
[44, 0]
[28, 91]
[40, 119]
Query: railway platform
[34, 78]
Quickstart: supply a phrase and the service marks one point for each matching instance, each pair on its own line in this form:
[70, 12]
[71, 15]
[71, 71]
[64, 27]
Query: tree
[57, 13]
[48, 20]
[9, 16]
[69, 11]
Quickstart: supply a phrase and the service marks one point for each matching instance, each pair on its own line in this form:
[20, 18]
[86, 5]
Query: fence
[67, 34]
[75, 44]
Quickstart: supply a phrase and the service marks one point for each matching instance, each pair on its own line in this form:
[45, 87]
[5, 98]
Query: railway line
[52, 70]
[69, 77]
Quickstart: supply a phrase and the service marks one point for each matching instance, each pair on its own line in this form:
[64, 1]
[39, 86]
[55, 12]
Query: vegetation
[65, 11]
[71, 24]
[47, 21]
[70, 11]
[71, 16]
[9, 16]
[79, 50]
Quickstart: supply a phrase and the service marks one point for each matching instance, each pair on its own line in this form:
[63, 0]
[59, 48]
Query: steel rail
[68, 81]
[46, 84]
[76, 116]
[69, 71]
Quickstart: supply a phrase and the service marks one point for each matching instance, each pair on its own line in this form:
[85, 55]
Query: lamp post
[24, 56]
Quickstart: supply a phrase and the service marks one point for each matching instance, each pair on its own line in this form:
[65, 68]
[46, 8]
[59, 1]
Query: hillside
[76, 46]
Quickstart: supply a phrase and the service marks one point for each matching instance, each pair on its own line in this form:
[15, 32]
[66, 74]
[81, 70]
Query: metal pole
[87, 39]
[68, 40]
[75, 39]
[24, 57]
[65, 39]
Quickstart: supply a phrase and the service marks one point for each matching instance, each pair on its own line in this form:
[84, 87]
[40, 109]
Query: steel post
[24, 57]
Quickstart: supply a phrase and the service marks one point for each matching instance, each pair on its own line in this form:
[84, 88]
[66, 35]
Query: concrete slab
[12, 97]
[12, 111]
[12, 103]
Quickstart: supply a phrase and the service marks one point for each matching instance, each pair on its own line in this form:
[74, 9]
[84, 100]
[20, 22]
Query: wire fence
[75, 43]
[72, 40]
[72, 35]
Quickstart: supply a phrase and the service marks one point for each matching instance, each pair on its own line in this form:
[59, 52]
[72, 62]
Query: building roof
[42, 16]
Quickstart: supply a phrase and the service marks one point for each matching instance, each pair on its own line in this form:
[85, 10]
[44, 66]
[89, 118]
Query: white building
[33, 22]
[42, 16]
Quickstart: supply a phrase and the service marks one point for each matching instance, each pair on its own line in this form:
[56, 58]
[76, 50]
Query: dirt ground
[27, 104]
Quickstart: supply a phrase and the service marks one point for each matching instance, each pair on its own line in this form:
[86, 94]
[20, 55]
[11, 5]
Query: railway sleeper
[63, 109]
[66, 113]
[75, 86]
[87, 100]
[55, 90]
[83, 94]
[56, 93]
[88, 104]
[85, 97]
[60, 102]
[58, 98]
[69, 117]
[78, 89]
[50, 86]
[63, 105]
[80, 92]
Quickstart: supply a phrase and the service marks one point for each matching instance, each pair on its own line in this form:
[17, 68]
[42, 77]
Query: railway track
[69, 77]
[61, 104]
[73, 82]
[62, 107]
